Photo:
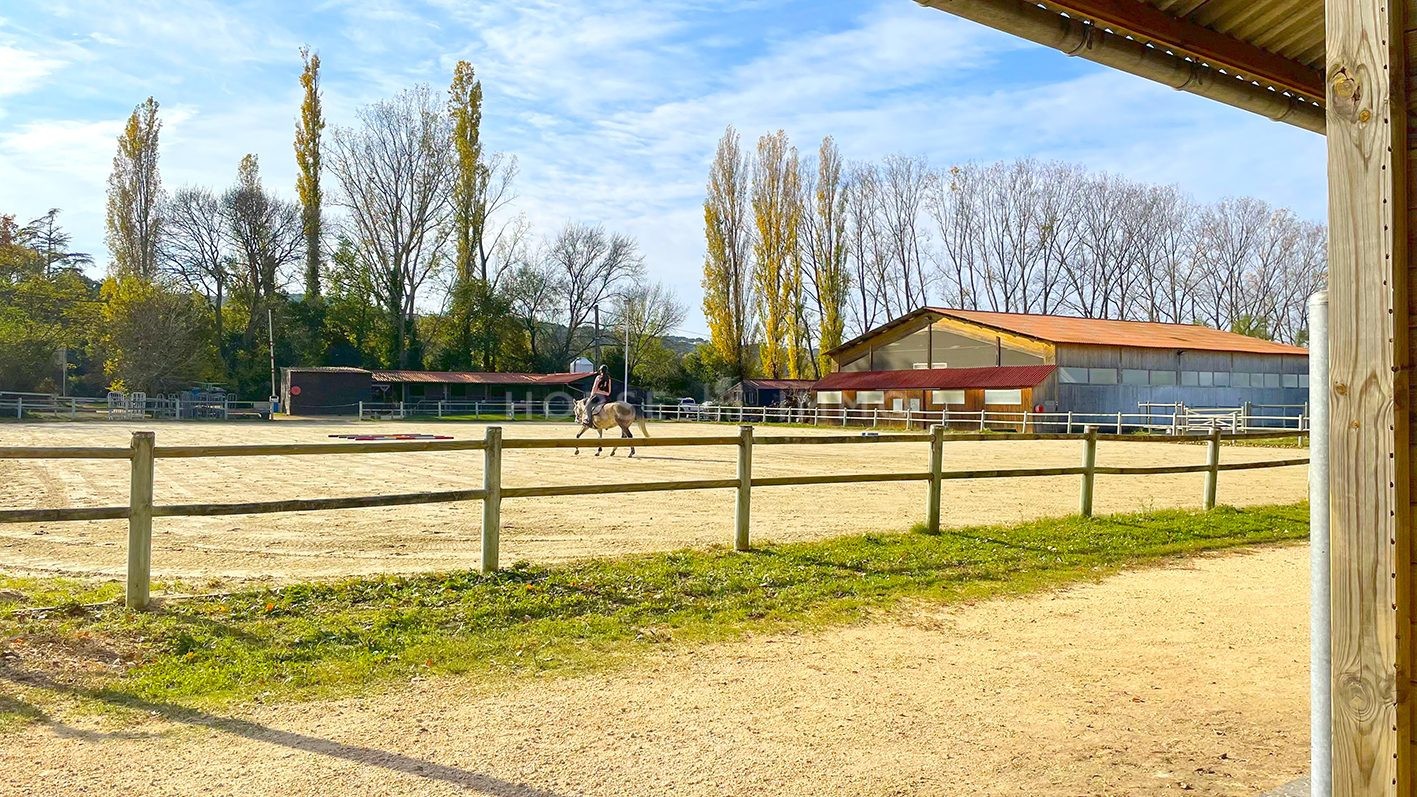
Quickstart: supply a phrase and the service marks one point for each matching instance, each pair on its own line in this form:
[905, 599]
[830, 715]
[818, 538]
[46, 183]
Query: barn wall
[325, 392]
[1122, 397]
[949, 349]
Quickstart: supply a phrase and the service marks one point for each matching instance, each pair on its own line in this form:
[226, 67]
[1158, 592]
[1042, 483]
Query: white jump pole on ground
[1320, 654]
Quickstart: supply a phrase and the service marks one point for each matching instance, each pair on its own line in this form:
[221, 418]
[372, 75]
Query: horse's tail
[640, 422]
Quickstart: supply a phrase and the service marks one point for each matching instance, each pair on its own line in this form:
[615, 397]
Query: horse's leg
[614, 449]
[578, 436]
[625, 433]
[601, 434]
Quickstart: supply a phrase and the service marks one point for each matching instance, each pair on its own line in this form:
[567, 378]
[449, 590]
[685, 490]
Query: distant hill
[682, 346]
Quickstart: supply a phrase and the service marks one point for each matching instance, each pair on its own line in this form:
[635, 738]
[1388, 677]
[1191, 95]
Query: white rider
[599, 394]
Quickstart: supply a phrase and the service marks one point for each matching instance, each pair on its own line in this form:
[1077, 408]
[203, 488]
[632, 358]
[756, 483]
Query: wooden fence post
[1089, 464]
[981, 420]
[742, 511]
[1119, 422]
[1212, 462]
[491, 499]
[937, 466]
[1070, 421]
[140, 520]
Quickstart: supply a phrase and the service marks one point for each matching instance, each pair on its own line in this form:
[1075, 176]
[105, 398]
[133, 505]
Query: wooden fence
[143, 452]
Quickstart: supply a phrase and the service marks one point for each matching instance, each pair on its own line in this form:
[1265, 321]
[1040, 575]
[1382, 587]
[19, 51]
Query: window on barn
[1072, 376]
[1291, 380]
[828, 396]
[1222, 378]
[1190, 378]
[1163, 377]
[1003, 397]
[1102, 376]
[946, 396]
[1239, 379]
[1205, 378]
[1271, 380]
[1135, 376]
[870, 397]
[1303, 380]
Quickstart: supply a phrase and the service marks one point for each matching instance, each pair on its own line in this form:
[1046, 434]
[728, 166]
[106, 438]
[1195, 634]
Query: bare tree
[196, 250]
[651, 311]
[588, 267]
[395, 171]
[825, 246]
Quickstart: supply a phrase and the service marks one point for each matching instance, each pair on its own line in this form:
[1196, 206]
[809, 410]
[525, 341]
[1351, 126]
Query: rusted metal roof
[327, 369]
[995, 377]
[1103, 332]
[780, 384]
[1092, 332]
[479, 378]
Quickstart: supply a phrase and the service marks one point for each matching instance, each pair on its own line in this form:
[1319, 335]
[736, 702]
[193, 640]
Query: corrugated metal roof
[1003, 376]
[479, 378]
[780, 384]
[1093, 332]
[328, 369]
[1137, 334]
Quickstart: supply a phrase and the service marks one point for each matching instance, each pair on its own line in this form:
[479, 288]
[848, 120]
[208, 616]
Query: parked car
[688, 408]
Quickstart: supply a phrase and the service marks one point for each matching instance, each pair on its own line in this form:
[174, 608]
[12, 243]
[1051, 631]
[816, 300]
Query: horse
[612, 414]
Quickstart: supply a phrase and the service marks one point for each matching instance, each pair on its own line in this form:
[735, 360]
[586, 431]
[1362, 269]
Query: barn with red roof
[939, 358]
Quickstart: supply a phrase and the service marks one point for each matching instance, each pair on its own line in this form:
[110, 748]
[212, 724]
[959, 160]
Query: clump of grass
[310, 639]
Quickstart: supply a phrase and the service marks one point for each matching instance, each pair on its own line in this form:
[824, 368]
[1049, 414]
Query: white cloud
[24, 70]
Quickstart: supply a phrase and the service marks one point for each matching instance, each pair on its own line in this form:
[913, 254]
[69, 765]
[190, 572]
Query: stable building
[940, 358]
[340, 390]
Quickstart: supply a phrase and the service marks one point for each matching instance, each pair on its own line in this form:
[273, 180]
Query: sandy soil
[1189, 678]
[435, 537]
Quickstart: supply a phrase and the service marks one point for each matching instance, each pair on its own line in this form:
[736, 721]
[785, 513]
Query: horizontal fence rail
[143, 451]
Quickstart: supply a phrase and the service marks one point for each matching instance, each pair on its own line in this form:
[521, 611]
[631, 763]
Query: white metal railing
[176, 407]
[1191, 420]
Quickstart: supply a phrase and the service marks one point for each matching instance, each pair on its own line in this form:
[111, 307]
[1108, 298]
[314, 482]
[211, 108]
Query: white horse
[612, 414]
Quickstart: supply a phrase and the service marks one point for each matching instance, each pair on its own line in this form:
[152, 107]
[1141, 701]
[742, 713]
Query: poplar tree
[307, 160]
[727, 279]
[470, 289]
[777, 272]
[134, 214]
[825, 231]
[465, 108]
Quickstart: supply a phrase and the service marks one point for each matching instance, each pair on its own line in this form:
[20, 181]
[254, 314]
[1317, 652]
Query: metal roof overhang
[1263, 57]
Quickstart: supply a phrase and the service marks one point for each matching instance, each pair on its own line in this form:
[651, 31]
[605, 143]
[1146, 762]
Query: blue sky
[612, 107]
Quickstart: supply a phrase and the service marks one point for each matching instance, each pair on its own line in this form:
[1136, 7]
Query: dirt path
[1189, 677]
[438, 537]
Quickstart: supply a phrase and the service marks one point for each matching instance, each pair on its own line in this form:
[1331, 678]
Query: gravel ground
[1188, 678]
[302, 546]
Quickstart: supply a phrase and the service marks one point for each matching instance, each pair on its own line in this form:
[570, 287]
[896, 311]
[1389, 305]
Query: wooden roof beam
[1217, 49]
[1086, 40]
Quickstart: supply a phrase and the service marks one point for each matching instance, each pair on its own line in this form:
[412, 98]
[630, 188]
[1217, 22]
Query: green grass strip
[332, 638]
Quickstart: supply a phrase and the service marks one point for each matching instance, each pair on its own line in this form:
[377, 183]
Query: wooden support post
[492, 499]
[140, 520]
[1070, 422]
[440, 410]
[742, 510]
[1371, 58]
[1119, 422]
[1089, 475]
[1212, 461]
[937, 466]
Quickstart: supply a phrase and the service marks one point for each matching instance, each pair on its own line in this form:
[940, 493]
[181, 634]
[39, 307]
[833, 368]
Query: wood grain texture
[1370, 446]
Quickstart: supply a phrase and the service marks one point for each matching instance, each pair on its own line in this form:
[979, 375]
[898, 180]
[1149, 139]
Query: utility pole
[271, 336]
[597, 337]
